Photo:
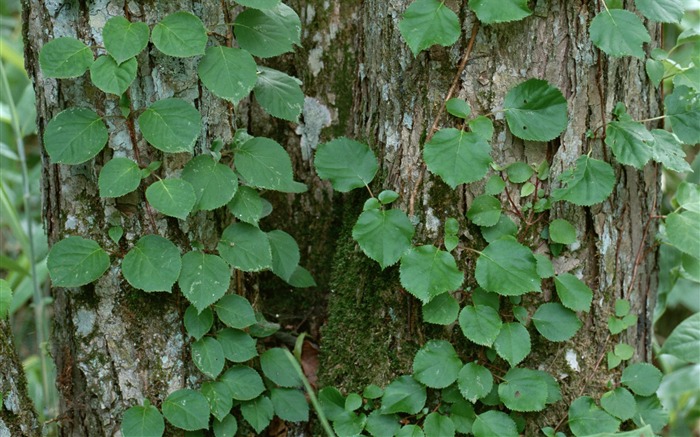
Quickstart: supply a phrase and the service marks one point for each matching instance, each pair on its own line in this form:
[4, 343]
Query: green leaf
[642, 378]
[512, 343]
[208, 356]
[462, 414]
[505, 226]
[668, 150]
[555, 322]
[171, 125]
[235, 311]
[65, 57]
[655, 71]
[5, 299]
[118, 177]
[536, 111]
[630, 141]
[522, 390]
[387, 197]
[613, 360]
[591, 182]
[586, 418]
[181, 34]
[681, 231]
[245, 247]
[480, 324]
[268, 33]
[664, 11]
[290, 404]
[429, 22]
[427, 272]
[441, 310]
[618, 33]
[383, 235]
[258, 4]
[482, 126]
[561, 231]
[506, 267]
[458, 157]
[436, 364]
[258, 413]
[438, 425]
[76, 261]
[172, 197]
[276, 366]
[142, 421]
[187, 409]
[619, 403]
[247, 205]
[573, 293]
[458, 107]
[227, 427]
[111, 77]
[485, 211]
[74, 136]
[349, 424]
[683, 111]
[332, 402]
[410, 431]
[451, 237]
[373, 391]
[519, 172]
[237, 345]
[285, 254]
[347, 164]
[124, 39]
[624, 351]
[474, 381]
[204, 278]
[279, 94]
[494, 423]
[684, 341]
[499, 11]
[243, 382]
[263, 163]
[379, 424]
[263, 328]
[227, 72]
[153, 264]
[403, 395]
[219, 397]
[198, 323]
[214, 184]
[301, 278]
[622, 307]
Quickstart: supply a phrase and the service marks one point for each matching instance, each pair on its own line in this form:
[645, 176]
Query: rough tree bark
[115, 346]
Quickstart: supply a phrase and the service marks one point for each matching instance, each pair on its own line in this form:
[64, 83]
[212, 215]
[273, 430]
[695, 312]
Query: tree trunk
[115, 346]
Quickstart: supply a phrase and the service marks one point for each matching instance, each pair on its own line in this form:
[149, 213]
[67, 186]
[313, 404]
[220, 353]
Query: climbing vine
[485, 395]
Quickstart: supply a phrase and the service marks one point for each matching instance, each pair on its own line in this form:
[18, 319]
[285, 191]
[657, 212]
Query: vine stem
[26, 196]
[448, 96]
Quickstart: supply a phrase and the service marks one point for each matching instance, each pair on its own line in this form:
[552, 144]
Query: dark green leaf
[235, 311]
[403, 395]
[591, 182]
[494, 423]
[258, 413]
[555, 322]
[227, 72]
[204, 278]
[490, 11]
[458, 157]
[142, 421]
[285, 254]
[187, 409]
[208, 356]
[475, 381]
[429, 22]
[247, 205]
[620, 403]
[237, 345]
[269, 32]
[118, 177]
[573, 292]
[153, 264]
[290, 404]
[642, 378]
[484, 211]
[227, 427]
[65, 57]
[383, 235]
[586, 418]
[111, 77]
[263, 163]
[124, 39]
[683, 110]
[441, 310]
[276, 366]
[172, 197]
[279, 94]
[198, 324]
[181, 34]
[480, 324]
[522, 390]
[512, 343]
[301, 278]
[506, 267]
[74, 136]
[381, 425]
[171, 125]
[243, 382]
[76, 261]
[618, 33]
[346, 163]
[427, 272]
[436, 364]
[214, 184]
[535, 111]
[438, 425]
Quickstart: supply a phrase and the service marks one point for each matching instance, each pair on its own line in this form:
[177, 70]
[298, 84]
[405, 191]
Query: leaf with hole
[573, 293]
[153, 264]
[76, 261]
[204, 278]
[456, 156]
[522, 390]
[586, 418]
[171, 125]
[555, 322]
[187, 409]
[124, 39]
[258, 413]
[618, 33]
[279, 94]
[383, 235]
[591, 182]
[214, 183]
[535, 111]
[441, 310]
[474, 381]
[494, 423]
[683, 111]
[507, 267]
[267, 33]
[427, 272]
[208, 356]
[245, 247]
[403, 395]
[181, 34]
[512, 343]
[74, 136]
[142, 421]
[436, 364]
[235, 311]
[197, 323]
[347, 164]
[484, 211]
[263, 163]
[65, 57]
[480, 324]
[290, 404]
[499, 11]
[172, 197]
[243, 382]
[111, 77]
[118, 177]
[227, 72]
[429, 22]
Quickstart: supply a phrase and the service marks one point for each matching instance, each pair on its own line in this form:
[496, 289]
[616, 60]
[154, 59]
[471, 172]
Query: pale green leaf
[427, 272]
[456, 156]
[429, 22]
[74, 136]
[279, 94]
[482, 126]
[153, 264]
[76, 261]
[683, 110]
[591, 182]
[458, 107]
[682, 232]
[171, 125]
[227, 72]
[214, 183]
[187, 409]
[684, 341]
[499, 11]
[668, 150]
[118, 177]
[347, 164]
[204, 278]
[111, 77]
[506, 267]
[536, 111]
[124, 39]
[383, 235]
[630, 141]
[618, 33]
[65, 57]
[245, 247]
[561, 231]
[172, 197]
[181, 34]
